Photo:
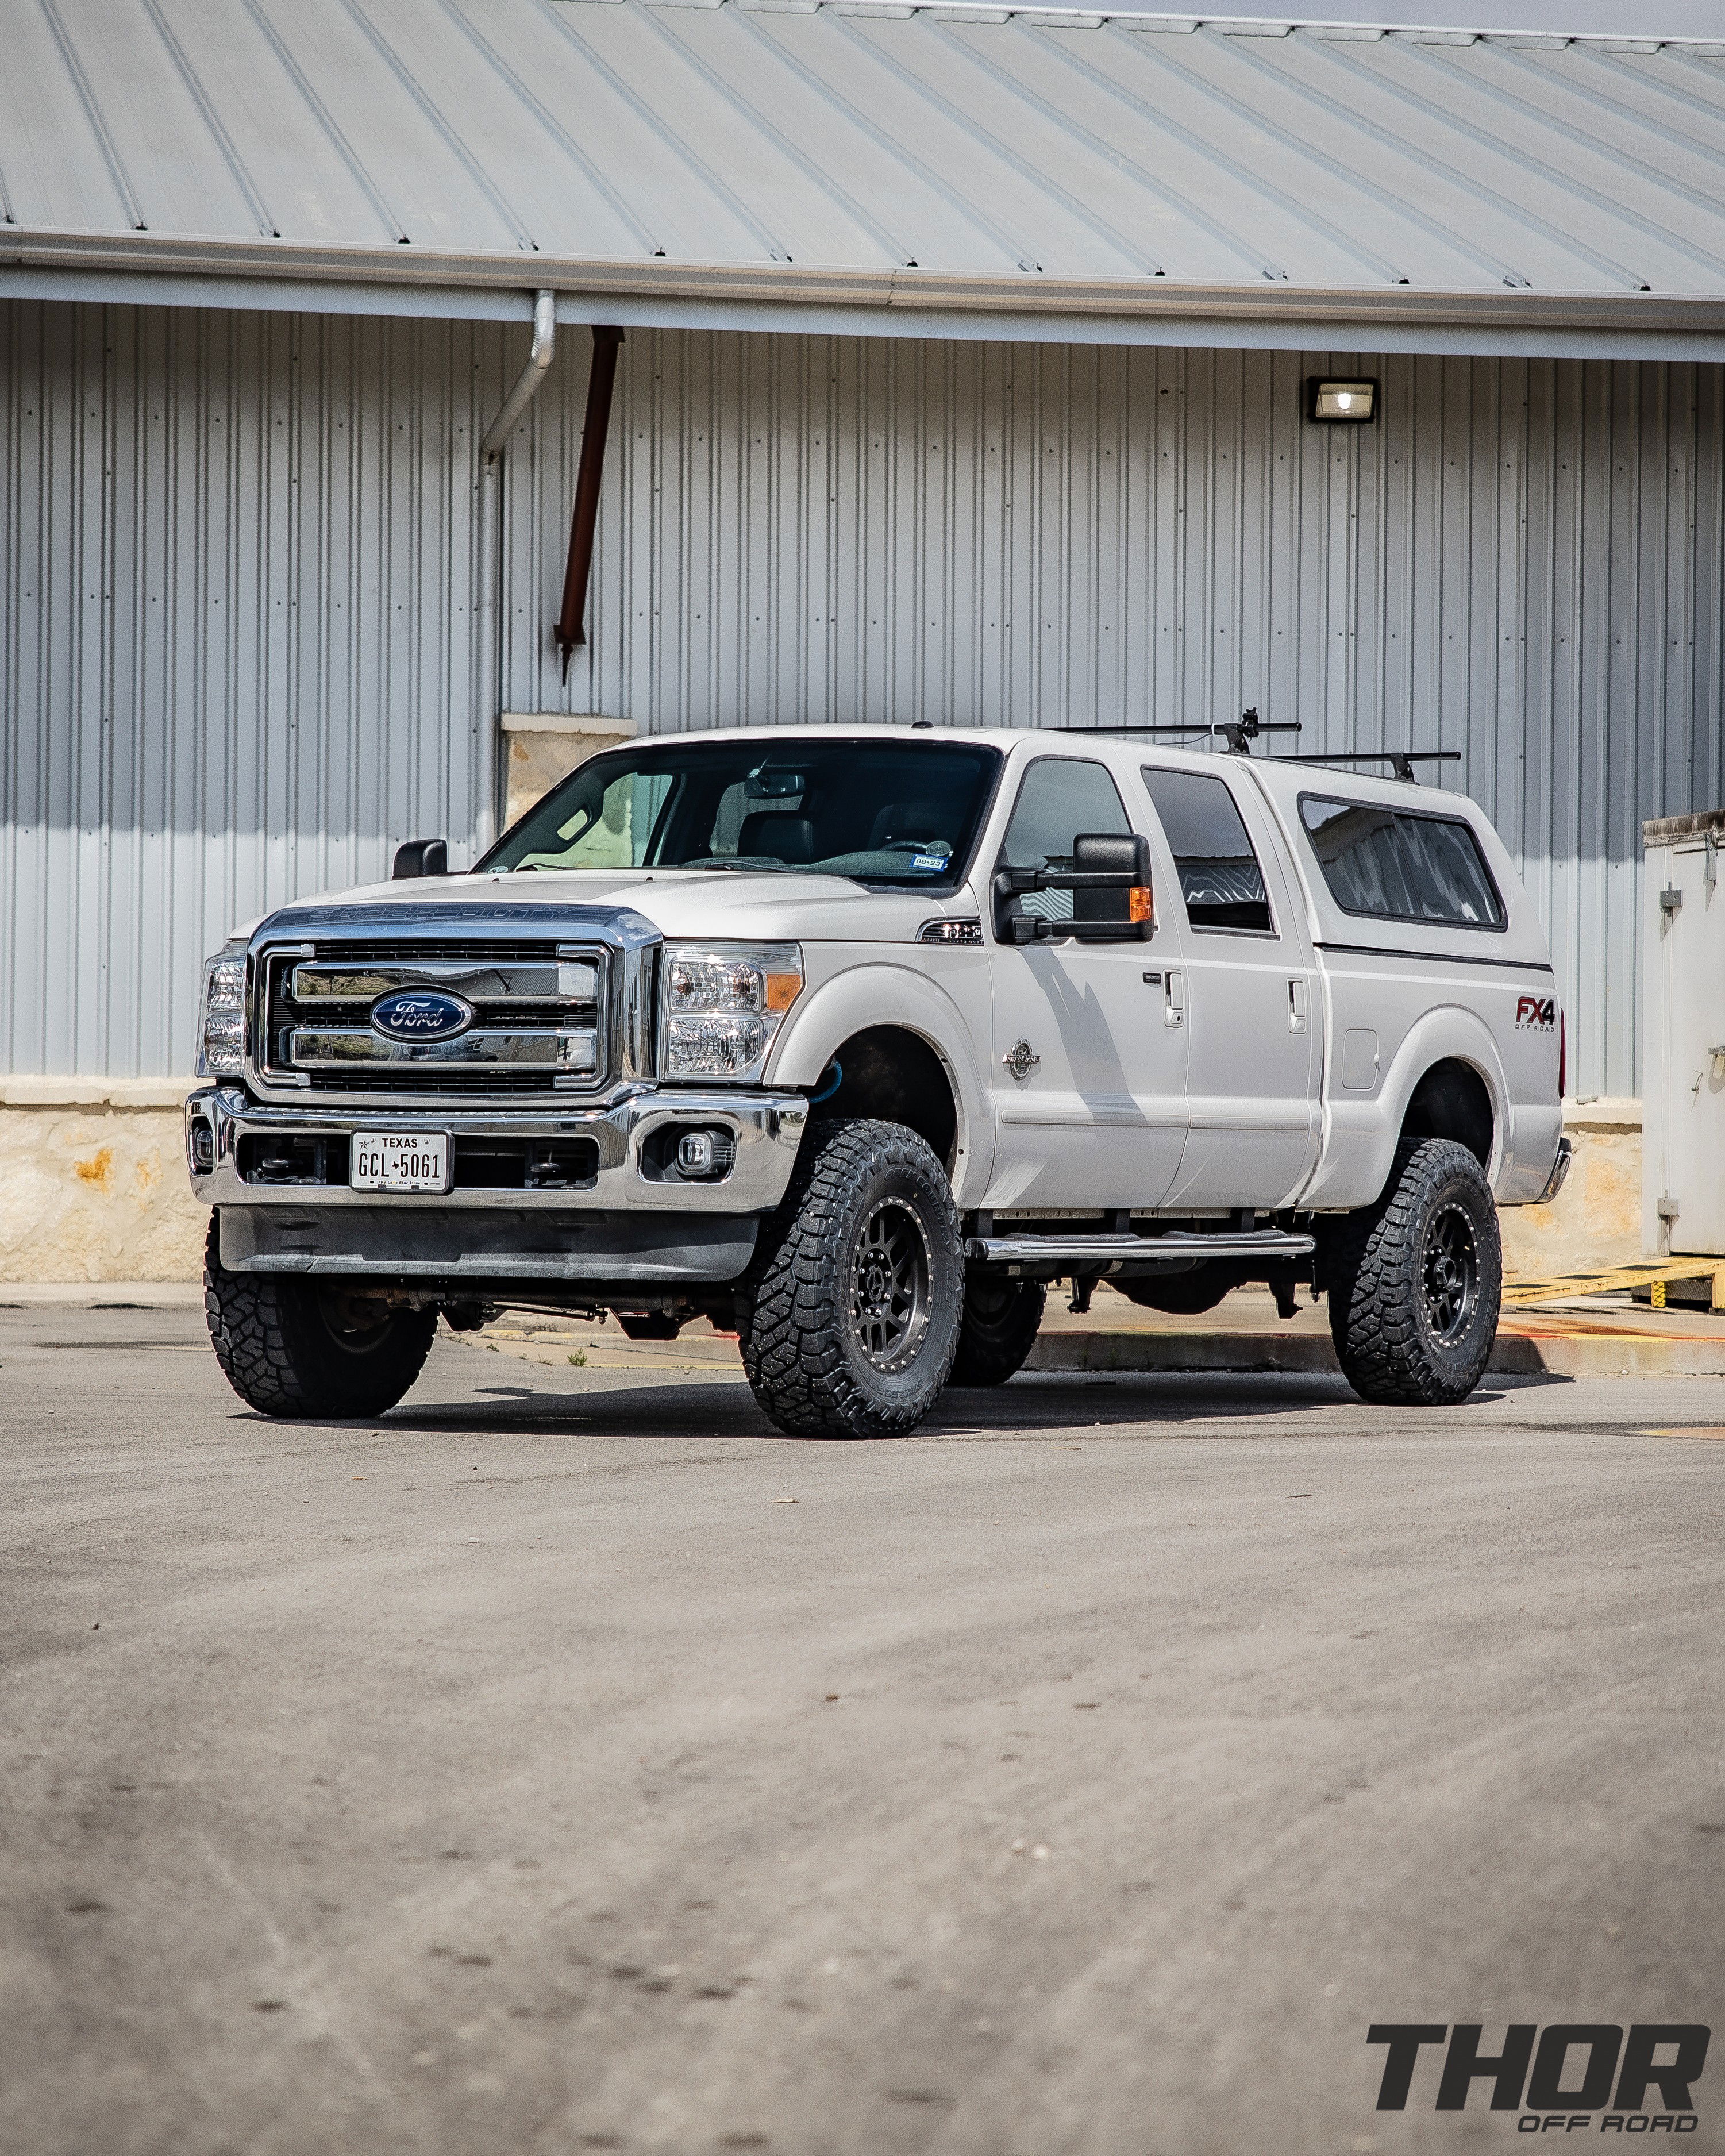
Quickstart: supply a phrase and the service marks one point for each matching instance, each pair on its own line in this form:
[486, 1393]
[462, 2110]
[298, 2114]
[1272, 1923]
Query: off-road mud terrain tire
[815, 1305]
[285, 1346]
[1391, 1271]
[999, 1329]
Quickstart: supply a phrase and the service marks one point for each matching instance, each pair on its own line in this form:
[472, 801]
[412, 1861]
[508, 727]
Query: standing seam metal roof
[947, 158]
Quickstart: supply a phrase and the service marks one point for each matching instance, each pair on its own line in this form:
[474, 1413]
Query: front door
[1088, 1073]
[1251, 986]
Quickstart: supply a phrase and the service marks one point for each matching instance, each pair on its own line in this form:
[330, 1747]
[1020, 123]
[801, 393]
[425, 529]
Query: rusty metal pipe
[571, 626]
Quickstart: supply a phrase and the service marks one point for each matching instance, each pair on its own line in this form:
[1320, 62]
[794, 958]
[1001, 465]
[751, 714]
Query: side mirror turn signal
[1109, 879]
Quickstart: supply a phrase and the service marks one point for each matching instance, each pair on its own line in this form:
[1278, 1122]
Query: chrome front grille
[538, 1030]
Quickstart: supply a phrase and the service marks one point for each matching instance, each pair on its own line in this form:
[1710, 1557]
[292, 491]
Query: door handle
[1174, 998]
[1297, 1006]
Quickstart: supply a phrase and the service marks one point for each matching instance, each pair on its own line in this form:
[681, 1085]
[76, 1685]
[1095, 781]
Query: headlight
[720, 1005]
[221, 1031]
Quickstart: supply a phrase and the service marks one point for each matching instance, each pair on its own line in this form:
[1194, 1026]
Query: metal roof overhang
[914, 169]
[139, 269]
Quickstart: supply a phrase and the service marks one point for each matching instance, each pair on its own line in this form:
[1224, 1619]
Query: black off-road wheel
[857, 1286]
[310, 1349]
[999, 1329]
[1416, 1281]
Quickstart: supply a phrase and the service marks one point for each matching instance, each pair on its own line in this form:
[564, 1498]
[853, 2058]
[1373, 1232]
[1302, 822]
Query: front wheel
[312, 1349]
[1416, 1281]
[859, 1283]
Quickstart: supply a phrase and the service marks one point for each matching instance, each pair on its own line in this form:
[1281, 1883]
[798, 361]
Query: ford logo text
[420, 1014]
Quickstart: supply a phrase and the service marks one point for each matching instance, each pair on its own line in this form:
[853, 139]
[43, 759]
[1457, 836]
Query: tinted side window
[1061, 798]
[1219, 877]
[1402, 867]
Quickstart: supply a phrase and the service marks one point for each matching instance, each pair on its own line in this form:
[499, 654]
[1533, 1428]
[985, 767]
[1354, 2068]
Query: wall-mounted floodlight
[1346, 401]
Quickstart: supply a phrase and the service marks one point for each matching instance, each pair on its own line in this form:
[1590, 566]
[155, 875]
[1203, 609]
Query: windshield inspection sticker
[928, 861]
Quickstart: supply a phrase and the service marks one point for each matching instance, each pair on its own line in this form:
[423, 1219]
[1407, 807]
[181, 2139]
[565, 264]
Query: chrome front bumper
[767, 1126]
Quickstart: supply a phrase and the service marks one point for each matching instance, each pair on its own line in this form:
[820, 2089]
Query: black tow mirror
[421, 857]
[1110, 883]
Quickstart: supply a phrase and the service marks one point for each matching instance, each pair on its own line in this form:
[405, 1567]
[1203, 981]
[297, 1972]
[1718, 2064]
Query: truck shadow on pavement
[1136, 1404]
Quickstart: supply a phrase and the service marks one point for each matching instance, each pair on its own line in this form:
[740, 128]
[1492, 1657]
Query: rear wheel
[1416, 1281]
[999, 1327]
[853, 1320]
[294, 1347]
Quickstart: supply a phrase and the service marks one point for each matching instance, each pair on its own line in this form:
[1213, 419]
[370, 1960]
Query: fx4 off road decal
[1572, 2076]
[1538, 1012]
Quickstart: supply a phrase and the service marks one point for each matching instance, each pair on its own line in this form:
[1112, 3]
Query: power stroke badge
[1568, 2078]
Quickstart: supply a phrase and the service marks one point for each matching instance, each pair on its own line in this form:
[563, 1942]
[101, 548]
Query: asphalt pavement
[567, 1763]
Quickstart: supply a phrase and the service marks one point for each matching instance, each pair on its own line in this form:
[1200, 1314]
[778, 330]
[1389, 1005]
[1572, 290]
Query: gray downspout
[487, 637]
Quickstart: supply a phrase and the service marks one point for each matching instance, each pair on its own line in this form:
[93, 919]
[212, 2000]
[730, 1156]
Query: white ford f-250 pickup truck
[854, 1039]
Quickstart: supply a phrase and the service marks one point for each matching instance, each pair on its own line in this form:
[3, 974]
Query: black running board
[1262, 1246]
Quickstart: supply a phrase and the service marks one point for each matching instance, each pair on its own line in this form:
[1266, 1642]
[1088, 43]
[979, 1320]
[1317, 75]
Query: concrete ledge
[110, 1295]
[1554, 1354]
[95, 1092]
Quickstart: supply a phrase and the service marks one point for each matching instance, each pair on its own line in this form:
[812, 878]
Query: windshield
[877, 811]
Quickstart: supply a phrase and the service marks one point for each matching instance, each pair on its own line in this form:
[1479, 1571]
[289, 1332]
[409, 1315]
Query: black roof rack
[1240, 731]
[1400, 760]
[1243, 731]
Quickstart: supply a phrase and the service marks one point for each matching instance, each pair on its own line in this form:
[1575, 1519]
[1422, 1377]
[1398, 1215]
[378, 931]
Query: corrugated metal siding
[1523, 561]
[235, 614]
[235, 594]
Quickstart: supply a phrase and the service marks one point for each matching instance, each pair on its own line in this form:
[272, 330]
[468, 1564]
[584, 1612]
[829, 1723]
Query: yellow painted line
[1714, 1432]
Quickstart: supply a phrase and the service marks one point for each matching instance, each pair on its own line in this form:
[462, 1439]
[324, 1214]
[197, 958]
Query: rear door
[1088, 1070]
[1253, 1063]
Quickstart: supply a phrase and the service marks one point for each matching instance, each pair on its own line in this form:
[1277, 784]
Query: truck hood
[682, 902]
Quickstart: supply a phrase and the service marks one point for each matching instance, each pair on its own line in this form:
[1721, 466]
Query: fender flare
[885, 993]
[1450, 1033]
[1360, 1138]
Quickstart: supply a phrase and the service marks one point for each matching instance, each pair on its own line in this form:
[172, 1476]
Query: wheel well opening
[1450, 1102]
[893, 1074]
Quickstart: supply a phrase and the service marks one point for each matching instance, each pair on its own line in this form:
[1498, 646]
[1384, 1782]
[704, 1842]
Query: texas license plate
[399, 1160]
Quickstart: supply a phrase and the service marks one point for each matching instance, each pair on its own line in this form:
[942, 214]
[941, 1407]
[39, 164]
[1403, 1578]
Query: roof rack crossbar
[1401, 760]
[1240, 732]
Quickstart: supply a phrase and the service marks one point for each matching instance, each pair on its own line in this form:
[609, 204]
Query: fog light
[695, 1153]
[201, 1145]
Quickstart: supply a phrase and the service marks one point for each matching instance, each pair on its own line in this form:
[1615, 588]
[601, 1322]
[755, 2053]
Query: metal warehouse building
[963, 375]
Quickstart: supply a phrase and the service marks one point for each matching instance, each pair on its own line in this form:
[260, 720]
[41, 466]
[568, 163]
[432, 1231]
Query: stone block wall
[93, 1182]
[93, 1187]
[542, 747]
[1595, 1221]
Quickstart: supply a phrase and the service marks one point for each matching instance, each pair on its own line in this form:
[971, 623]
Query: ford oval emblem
[420, 1014]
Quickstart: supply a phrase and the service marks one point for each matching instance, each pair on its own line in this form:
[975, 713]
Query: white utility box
[1683, 1037]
